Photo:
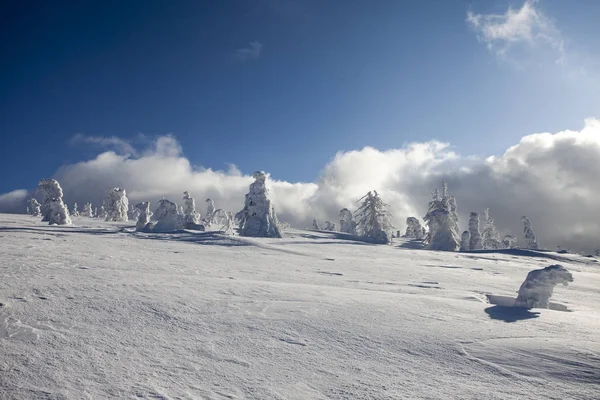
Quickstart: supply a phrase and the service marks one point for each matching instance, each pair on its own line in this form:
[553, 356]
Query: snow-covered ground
[95, 311]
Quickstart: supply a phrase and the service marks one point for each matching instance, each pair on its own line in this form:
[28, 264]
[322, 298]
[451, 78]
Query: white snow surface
[96, 310]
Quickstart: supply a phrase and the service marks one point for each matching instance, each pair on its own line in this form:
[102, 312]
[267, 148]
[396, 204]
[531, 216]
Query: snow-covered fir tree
[347, 223]
[530, 238]
[509, 241]
[116, 205]
[373, 219]
[102, 213]
[34, 208]
[258, 217]
[210, 211]
[414, 230]
[190, 216]
[489, 235]
[475, 242]
[75, 212]
[87, 210]
[465, 240]
[442, 222]
[132, 213]
[144, 215]
[53, 209]
[167, 217]
[329, 226]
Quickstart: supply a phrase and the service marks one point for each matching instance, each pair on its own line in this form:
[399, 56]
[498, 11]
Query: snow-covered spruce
[54, 211]
[210, 211]
[373, 219]
[144, 215]
[537, 289]
[75, 212]
[116, 205]
[475, 242]
[190, 216]
[347, 223]
[489, 235]
[167, 217]
[465, 240]
[442, 221]
[509, 241]
[34, 208]
[329, 226]
[258, 217]
[414, 230]
[87, 210]
[530, 238]
[102, 213]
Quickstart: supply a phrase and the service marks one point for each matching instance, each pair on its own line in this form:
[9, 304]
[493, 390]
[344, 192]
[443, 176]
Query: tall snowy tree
[414, 230]
[258, 217]
[34, 208]
[87, 210]
[315, 225]
[190, 216]
[530, 238]
[116, 205]
[54, 211]
[75, 212]
[443, 224]
[210, 211]
[373, 219]
[144, 215]
[489, 236]
[465, 240]
[167, 217]
[475, 242]
[347, 223]
[102, 213]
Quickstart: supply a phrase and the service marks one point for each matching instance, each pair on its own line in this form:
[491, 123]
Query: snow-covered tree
[347, 223]
[530, 239]
[167, 217]
[489, 235]
[475, 242]
[373, 219]
[414, 230]
[190, 216]
[75, 212]
[537, 289]
[87, 210]
[102, 213]
[54, 210]
[132, 213]
[442, 222]
[258, 217]
[34, 208]
[509, 241]
[329, 226]
[210, 211]
[465, 241]
[116, 205]
[315, 225]
[144, 215]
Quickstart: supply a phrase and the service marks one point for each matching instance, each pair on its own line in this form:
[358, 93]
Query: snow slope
[96, 311]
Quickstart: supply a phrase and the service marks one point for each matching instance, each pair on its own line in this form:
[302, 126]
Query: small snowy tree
[190, 216]
[373, 219]
[537, 289]
[329, 226]
[167, 217]
[489, 236]
[34, 208]
[87, 210]
[475, 242]
[54, 211]
[509, 241]
[258, 217]
[347, 223]
[75, 212]
[132, 213]
[144, 215]
[102, 213]
[315, 225]
[465, 240]
[530, 239]
[414, 230]
[116, 205]
[210, 211]
[442, 222]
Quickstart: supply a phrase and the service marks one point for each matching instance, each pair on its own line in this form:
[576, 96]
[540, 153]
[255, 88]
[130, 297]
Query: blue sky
[283, 85]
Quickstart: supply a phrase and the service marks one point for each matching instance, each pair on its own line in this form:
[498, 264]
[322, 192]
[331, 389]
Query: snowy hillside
[96, 310]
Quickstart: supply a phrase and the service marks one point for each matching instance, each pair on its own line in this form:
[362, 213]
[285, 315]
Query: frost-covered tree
[34, 208]
[329, 226]
[509, 241]
[475, 242]
[258, 217]
[537, 289]
[489, 235]
[102, 213]
[373, 219]
[144, 215]
[210, 211]
[116, 205]
[414, 230]
[132, 213]
[530, 238]
[347, 223]
[190, 216]
[315, 225]
[53, 209]
[167, 217]
[75, 212]
[442, 222]
[87, 210]
[465, 241]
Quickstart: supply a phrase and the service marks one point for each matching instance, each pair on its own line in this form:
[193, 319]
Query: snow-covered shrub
[167, 217]
[87, 210]
[475, 242]
[509, 241]
[210, 211]
[116, 205]
[329, 226]
[102, 213]
[465, 241]
[373, 219]
[34, 208]
[442, 221]
[414, 230]
[347, 223]
[489, 235]
[258, 217]
[537, 289]
[190, 216]
[53, 210]
[144, 215]
[530, 238]
[315, 225]
[75, 212]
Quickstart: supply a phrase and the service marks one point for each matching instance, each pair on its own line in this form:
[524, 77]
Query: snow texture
[258, 215]
[116, 205]
[537, 289]
[476, 242]
[347, 223]
[530, 238]
[167, 217]
[34, 208]
[373, 219]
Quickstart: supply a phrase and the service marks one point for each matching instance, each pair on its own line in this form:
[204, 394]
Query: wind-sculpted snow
[537, 289]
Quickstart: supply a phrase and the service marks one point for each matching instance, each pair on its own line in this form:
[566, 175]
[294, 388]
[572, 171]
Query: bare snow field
[98, 311]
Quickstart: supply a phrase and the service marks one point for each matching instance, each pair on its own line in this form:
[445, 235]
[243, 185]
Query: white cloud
[13, 202]
[550, 177]
[251, 52]
[527, 27]
[106, 142]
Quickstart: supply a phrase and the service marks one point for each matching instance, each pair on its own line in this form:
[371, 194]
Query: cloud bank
[550, 177]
